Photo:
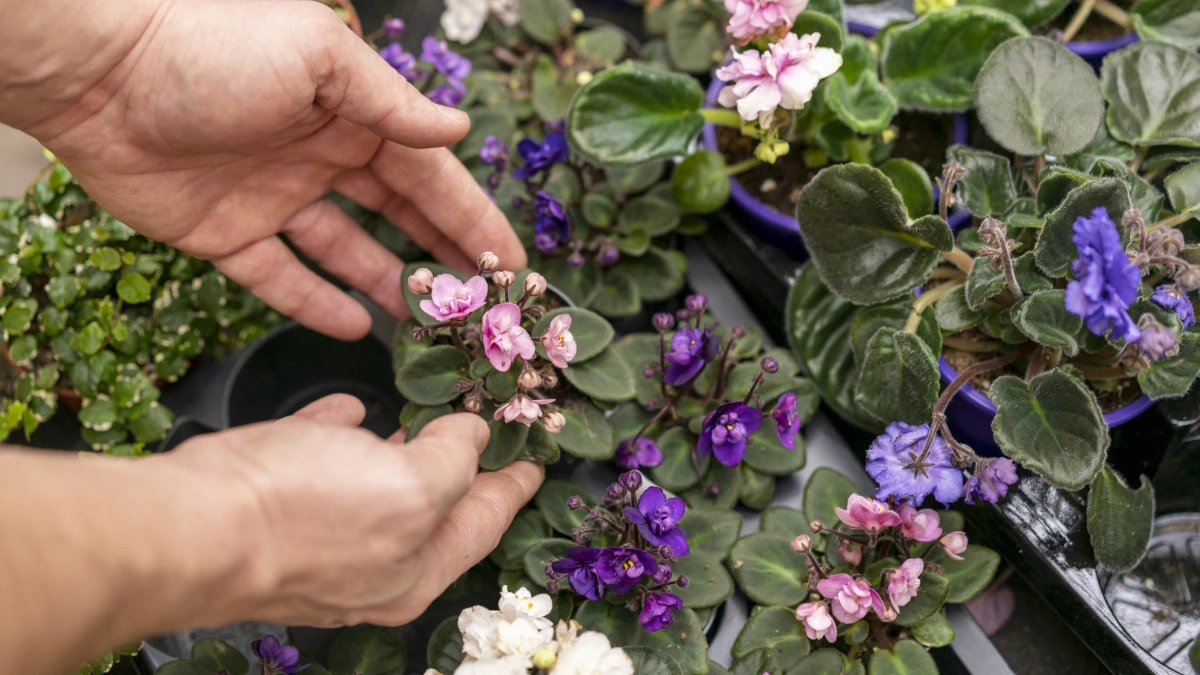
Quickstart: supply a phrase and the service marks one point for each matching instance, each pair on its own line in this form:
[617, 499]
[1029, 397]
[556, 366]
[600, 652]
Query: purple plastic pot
[780, 229]
[1094, 52]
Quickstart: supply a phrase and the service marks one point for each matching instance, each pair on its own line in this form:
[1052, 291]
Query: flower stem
[458, 341]
[742, 166]
[1077, 21]
[960, 259]
[924, 300]
[1039, 165]
[1114, 13]
[1138, 158]
[650, 422]
[722, 117]
[948, 273]
[1174, 220]
[880, 636]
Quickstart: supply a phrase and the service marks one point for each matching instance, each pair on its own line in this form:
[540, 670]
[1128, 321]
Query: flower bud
[529, 379]
[713, 489]
[682, 582]
[518, 202]
[552, 586]
[544, 659]
[614, 493]
[550, 381]
[575, 260]
[631, 480]
[554, 422]
[737, 332]
[662, 574]
[765, 153]
[683, 315]
[954, 544]
[608, 256]
[393, 27]
[583, 77]
[697, 303]
[577, 15]
[889, 612]
[815, 526]
[663, 322]
[666, 552]
[1133, 220]
[802, 544]
[488, 261]
[535, 284]
[473, 405]
[504, 278]
[549, 570]
[574, 502]
[770, 365]
[421, 282]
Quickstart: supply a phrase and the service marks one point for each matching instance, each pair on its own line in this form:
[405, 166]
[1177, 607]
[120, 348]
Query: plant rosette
[1071, 296]
[98, 318]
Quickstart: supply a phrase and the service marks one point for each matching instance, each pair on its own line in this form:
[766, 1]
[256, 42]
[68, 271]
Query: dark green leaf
[1055, 250]
[367, 650]
[544, 21]
[1119, 520]
[587, 433]
[186, 667]
[913, 183]
[527, 529]
[987, 188]
[1153, 94]
[826, 490]
[605, 377]
[900, 379]
[773, 628]
[971, 575]
[908, 658]
[540, 554]
[695, 38]
[726, 479]
[895, 315]
[1031, 12]
[954, 314]
[504, 445]
[1043, 316]
[676, 472]
[865, 106]
[649, 661]
[552, 89]
[444, 652]
[649, 214]
[767, 455]
[551, 500]
[432, 376]
[683, 641]
[827, 661]
[619, 296]
[708, 583]
[935, 588]
[755, 488]
[63, 291]
[700, 184]
[711, 531]
[758, 662]
[99, 414]
[1175, 22]
[935, 631]
[1172, 377]
[604, 44]
[580, 284]
[424, 415]
[768, 571]
[221, 655]
[656, 276]
[150, 423]
[1183, 188]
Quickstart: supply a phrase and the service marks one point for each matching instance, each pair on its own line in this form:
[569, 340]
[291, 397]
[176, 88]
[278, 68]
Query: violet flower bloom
[657, 518]
[658, 610]
[537, 156]
[449, 63]
[816, 620]
[580, 568]
[787, 420]
[447, 96]
[691, 349]
[559, 343]
[784, 75]
[851, 598]
[402, 61]
[904, 581]
[726, 431]
[1156, 341]
[924, 525]
[1171, 297]
[869, 515]
[622, 567]
[1106, 282]
[503, 337]
[753, 19]
[892, 462]
[493, 153]
[393, 27]
[551, 224]
[633, 453]
[521, 409]
[453, 299]
[990, 482]
[278, 659]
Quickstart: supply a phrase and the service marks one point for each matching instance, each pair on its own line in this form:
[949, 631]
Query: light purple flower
[851, 598]
[277, 659]
[1106, 282]
[1171, 297]
[503, 337]
[658, 610]
[783, 76]
[923, 525]
[904, 581]
[449, 63]
[633, 453]
[726, 431]
[393, 27]
[990, 482]
[1156, 341]
[452, 299]
[892, 462]
[657, 519]
[787, 420]
[494, 152]
[753, 19]
[816, 620]
[402, 61]
[691, 349]
[869, 515]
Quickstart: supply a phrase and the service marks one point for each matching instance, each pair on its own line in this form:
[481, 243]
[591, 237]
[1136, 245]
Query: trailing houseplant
[1072, 290]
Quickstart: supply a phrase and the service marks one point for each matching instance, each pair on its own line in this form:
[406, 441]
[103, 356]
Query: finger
[269, 270]
[354, 82]
[338, 409]
[446, 194]
[445, 458]
[340, 246]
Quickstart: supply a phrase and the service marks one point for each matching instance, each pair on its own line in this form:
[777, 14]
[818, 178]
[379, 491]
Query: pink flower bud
[851, 555]
[504, 279]
[521, 409]
[488, 261]
[554, 422]
[954, 544]
[535, 284]
[421, 282]
[529, 379]
[817, 622]
[802, 544]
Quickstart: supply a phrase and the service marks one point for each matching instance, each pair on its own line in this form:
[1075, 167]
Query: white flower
[478, 626]
[509, 665]
[463, 19]
[523, 637]
[522, 603]
[506, 11]
[588, 654]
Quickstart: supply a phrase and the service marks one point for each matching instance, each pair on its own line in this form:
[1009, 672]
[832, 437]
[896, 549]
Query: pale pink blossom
[452, 299]
[851, 554]
[851, 598]
[522, 409]
[784, 75]
[817, 622]
[923, 525]
[954, 544]
[559, 342]
[904, 581]
[864, 513]
[753, 19]
[503, 337]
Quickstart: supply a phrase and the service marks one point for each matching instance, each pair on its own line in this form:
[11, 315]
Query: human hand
[216, 125]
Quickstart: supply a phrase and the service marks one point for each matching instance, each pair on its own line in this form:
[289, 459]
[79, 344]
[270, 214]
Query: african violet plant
[361, 649]
[1072, 290]
[98, 318]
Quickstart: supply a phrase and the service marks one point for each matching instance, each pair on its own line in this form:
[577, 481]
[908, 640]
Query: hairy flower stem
[1010, 275]
[1077, 21]
[650, 422]
[1174, 220]
[960, 259]
[844, 537]
[718, 384]
[925, 300]
[458, 341]
[877, 628]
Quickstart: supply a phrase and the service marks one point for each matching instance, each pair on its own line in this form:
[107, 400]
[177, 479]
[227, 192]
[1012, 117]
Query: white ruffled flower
[509, 665]
[523, 603]
[523, 637]
[478, 626]
[588, 654]
[508, 11]
[463, 19]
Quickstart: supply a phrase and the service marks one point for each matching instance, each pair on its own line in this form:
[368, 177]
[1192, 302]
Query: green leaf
[700, 184]
[784, 521]
[133, 288]
[908, 658]
[367, 650]
[599, 209]
[580, 284]
[444, 652]
[894, 315]
[633, 113]
[592, 333]
[935, 631]
[828, 661]
[432, 376]
[1183, 188]
[185, 667]
[632, 180]
[527, 529]
[221, 655]
[99, 414]
[405, 346]
[1052, 425]
[1031, 12]
[708, 583]
[758, 662]
[63, 291]
[954, 314]
[540, 445]
[1056, 183]
[931, 63]
[711, 531]
[1194, 655]
[1035, 97]
[587, 434]
[728, 481]
[604, 378]
[985, 281]
[773, 628]
[1055, 250]
[971, 575]
[413, 300]
[768, 571]
[1119, 520]
[676, 472]
[816, 21]
[604, 44]
[504, 445]
[19, 315]
[1153, 94]
[1103, 146]
[656, 274]
[1044, 318]
[540, 554]
[683, 640]
[648, 214]
[649, 661]
[755, 488]
[767, 455]
[935, 588]
[856, 229]
[619, 296]
[1142, 195]
[695, 35]
[826, 490]
[423, 415]
[152, 422]
[1175, 22]
[865, 106]
[544, 21]
[552, 90]
[552, 498]
[913, 183]
[1172, 377]
[106, 258]
[900, 379]
[987, 187]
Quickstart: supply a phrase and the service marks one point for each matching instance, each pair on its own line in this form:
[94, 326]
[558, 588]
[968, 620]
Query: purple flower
[1170, 297]
[451, 64]
[726, 430]
[658, 610]
[537, 156]
[637, 452]
[990, 482]
[609, 255]
[691, 349]
[393, 27]
[402, 61]
[278, 659]
[580, 568]
[447, 96]
[892, 462]
[787, 421]
[551, 223]
[493, 153]
[1156, 341]
[657, 518]
[1106, 283]
[622, 567]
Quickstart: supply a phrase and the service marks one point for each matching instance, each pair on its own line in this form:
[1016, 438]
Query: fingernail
[451, 113]
[483, 434]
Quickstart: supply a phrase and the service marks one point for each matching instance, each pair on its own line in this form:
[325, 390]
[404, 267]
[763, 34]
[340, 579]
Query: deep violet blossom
[726, 430]
[657, 519]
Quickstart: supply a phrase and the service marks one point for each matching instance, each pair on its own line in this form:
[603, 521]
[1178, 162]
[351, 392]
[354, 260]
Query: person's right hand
[340, 527]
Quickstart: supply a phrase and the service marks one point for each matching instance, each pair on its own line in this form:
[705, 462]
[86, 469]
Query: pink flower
[521, 409]
[503, 337]
[558, 341]
[452, 299]
[785, 75]
[753, 19]
[864, 513]
[852, 555]
[954, 544]
[904, 581]
[817, 622]
[851, 598]
[923, 525]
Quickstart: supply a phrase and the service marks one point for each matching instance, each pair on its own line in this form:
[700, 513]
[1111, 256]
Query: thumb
[355, 83]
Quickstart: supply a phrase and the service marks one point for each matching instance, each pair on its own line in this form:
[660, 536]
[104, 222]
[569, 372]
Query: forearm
[99, 552]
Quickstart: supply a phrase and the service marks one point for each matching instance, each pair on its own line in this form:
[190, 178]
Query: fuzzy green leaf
[367, 650]
[1044, 318]
[432, 376]
[1119, 520]
[908, 658]
[605, 377]
[987, 187]
[900, 379]
[1153, 94]
[773, 628]
[1054, 250]
[767, 569]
